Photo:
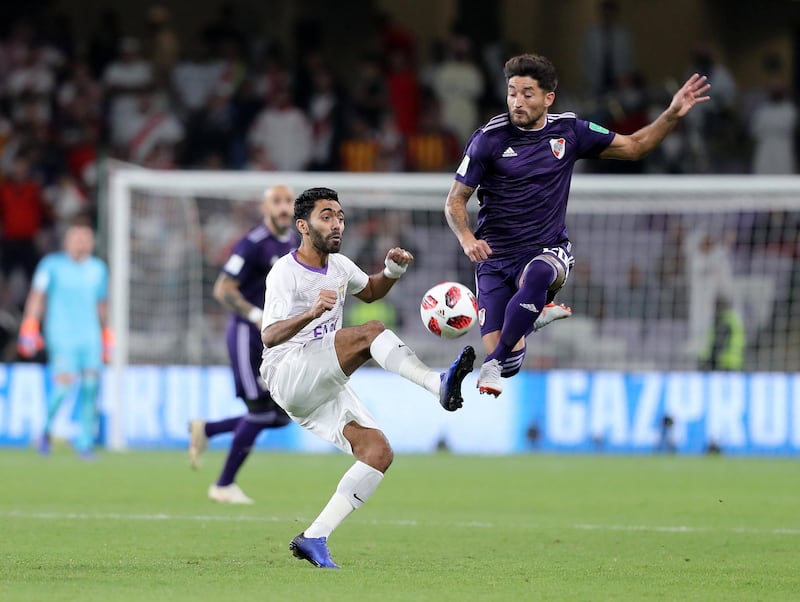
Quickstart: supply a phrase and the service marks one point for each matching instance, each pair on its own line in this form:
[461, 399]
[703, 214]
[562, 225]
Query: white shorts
[309, 384]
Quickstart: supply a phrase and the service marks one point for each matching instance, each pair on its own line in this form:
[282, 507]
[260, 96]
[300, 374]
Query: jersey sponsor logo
[529, 307]
[509, 152]
[323, 329]
[462, 169]
[598, 128]
[557, 145]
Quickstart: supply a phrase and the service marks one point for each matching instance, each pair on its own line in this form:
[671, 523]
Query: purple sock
[226, 425]
[243, 439]
[523, 308]
[512, 364]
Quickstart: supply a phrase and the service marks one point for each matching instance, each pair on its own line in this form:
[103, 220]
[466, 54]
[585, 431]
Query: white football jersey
[292, 289]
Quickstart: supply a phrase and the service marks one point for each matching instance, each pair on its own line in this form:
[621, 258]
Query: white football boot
[198, 441]
[229, 494]
[550, 313]
[489, 378]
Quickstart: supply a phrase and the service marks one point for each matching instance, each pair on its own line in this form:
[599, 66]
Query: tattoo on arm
[458, 218]
[226, 291]
[456, 209]
[233, 300]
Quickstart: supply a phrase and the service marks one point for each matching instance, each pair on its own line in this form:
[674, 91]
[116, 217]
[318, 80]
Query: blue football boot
[450, 387]
[313, 549]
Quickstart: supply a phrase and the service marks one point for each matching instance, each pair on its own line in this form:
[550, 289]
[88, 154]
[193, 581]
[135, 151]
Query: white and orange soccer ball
[449, 310]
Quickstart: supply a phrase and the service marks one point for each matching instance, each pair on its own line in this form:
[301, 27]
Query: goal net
[654, 256]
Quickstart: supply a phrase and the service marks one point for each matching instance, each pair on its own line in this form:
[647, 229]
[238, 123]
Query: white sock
[356, 487]
[393, 355]
[337, 509]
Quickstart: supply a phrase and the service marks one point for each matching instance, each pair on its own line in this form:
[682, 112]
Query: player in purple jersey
[521, 164]
[240, 287]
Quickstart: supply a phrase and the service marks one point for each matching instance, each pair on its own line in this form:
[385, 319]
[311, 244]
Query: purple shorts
[498, 281]
[245, 348]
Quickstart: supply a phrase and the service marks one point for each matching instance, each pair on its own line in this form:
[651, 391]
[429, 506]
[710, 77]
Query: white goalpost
[653, 254]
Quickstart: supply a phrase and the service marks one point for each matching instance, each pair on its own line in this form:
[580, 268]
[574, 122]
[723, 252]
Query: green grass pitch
[138, 526]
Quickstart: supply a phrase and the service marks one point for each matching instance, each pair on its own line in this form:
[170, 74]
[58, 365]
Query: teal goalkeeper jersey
[72, 291]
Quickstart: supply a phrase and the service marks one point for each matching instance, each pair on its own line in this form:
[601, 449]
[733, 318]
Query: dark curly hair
[534, 66]
[304, 204]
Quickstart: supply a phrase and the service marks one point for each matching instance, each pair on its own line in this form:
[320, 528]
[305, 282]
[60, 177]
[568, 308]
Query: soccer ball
[449, 310]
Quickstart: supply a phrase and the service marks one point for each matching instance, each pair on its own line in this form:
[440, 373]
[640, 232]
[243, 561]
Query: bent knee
[373, 449]
[543, 267]
[379, 454]
[375, 327]
[380, 458]
[370, 331]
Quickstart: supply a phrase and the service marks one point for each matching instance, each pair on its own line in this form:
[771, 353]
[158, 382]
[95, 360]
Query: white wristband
[393, 269]
[255, 315]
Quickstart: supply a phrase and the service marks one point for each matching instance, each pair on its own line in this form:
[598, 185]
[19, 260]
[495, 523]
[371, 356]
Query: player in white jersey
[308, 357]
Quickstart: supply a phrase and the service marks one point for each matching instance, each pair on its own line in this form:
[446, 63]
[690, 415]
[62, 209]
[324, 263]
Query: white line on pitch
[398, 522]
[686, 529]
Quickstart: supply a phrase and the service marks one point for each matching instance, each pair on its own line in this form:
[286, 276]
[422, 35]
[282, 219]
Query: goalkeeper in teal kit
[68, 297]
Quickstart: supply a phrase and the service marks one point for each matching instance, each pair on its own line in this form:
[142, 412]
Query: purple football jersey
[253, 256]
[523, 178]
[250, 261]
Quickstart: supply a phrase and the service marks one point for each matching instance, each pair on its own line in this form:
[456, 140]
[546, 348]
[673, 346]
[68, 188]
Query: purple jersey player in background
[240, 287]
[521, 163]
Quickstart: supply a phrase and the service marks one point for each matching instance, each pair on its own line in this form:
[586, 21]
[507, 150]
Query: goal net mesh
[654, 255]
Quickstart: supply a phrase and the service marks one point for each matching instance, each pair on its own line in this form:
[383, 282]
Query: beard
[323, 244]
[281, 223]
[526, 121]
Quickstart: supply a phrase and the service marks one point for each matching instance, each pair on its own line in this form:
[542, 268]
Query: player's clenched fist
[397, 262]
[325, 301]
[400, 256]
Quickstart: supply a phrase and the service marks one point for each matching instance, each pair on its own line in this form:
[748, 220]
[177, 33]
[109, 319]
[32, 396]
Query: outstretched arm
[643, 141]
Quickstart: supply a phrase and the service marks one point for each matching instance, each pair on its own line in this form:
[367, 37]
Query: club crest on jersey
[342, 291]
[557, 145]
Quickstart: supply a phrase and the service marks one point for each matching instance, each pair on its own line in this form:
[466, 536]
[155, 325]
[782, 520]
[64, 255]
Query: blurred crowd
[219, 99]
